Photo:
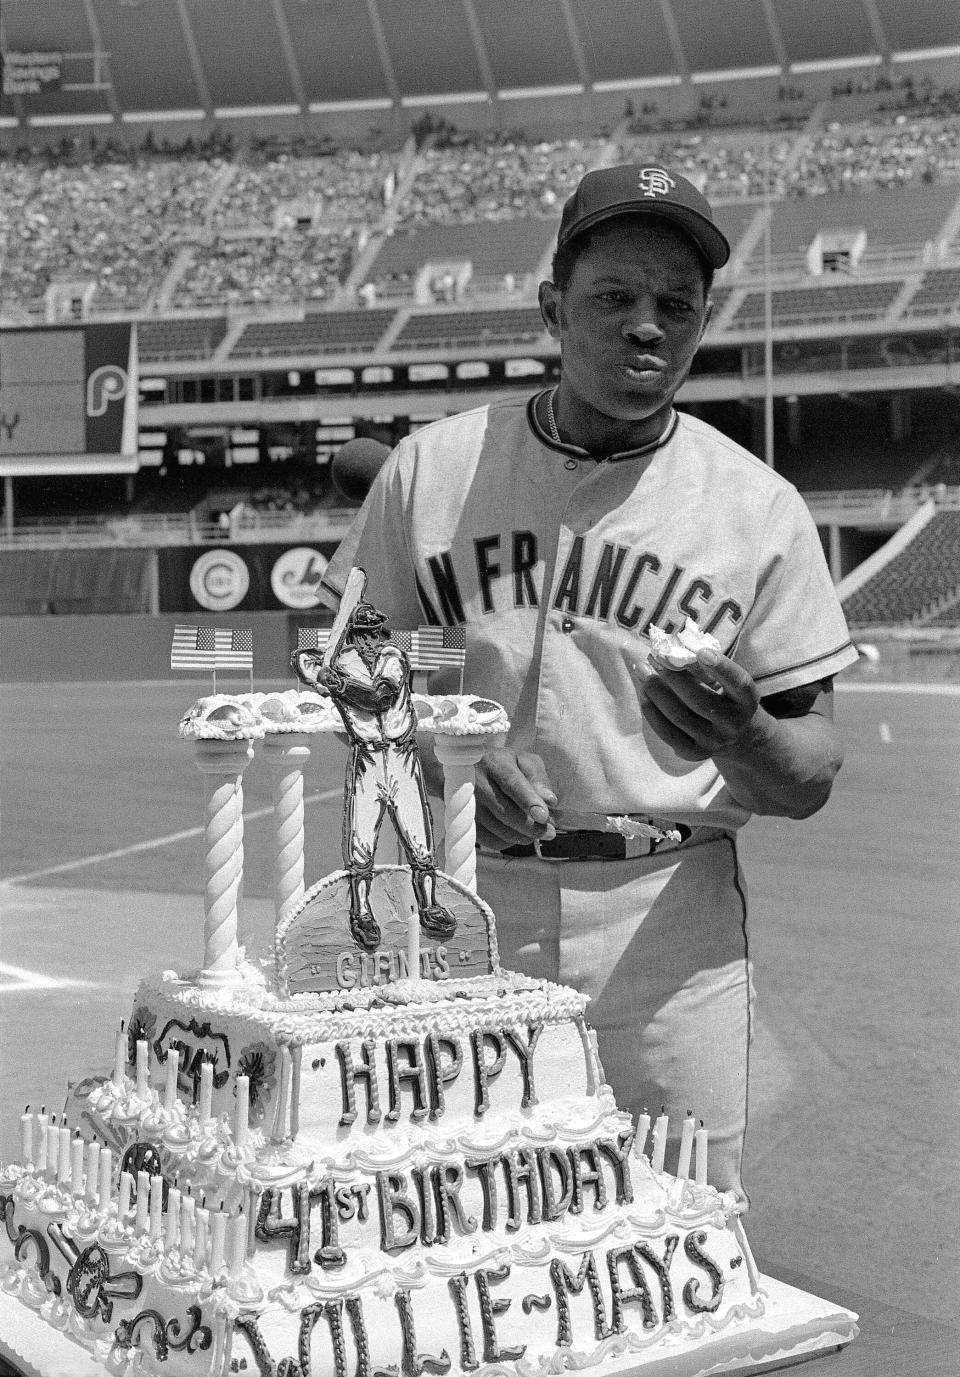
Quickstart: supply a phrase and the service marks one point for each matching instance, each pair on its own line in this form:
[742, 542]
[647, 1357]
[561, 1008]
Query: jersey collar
[534, 406]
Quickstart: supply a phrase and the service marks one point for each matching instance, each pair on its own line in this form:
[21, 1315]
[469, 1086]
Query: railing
[879, 504]
[252, 528]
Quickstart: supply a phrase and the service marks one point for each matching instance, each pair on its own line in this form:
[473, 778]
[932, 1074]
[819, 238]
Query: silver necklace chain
[551, 418]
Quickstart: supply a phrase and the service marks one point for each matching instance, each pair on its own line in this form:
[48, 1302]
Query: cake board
[796, 1327]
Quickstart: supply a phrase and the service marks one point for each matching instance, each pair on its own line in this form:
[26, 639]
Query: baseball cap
[630, 190]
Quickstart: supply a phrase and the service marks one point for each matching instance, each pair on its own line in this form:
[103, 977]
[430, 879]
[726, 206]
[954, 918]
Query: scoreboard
[68, 399]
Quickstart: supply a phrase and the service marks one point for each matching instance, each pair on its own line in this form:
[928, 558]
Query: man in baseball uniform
[559, 529]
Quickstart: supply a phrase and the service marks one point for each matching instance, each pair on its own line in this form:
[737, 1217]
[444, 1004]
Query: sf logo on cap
[653, 181]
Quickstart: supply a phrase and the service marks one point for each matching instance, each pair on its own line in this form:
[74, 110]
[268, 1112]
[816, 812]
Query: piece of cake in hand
[679, 649]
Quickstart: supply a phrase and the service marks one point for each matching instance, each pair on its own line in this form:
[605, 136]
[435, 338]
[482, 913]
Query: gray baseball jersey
[558, 565]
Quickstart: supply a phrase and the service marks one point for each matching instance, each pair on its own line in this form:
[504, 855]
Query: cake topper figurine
[369, 681]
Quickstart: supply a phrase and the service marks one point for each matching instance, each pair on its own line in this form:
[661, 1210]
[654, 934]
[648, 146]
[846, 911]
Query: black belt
[599, 846]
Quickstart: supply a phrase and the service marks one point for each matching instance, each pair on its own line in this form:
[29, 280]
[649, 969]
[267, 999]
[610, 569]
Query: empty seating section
[939, 291]
[466, 329]
[896, 218]
[179, 338]
[322, 332]
[496, 250]
[346, 187]
[927, 571]
[496, 179]
[856, 300]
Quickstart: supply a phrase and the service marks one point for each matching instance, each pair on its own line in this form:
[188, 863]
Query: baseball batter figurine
[561, 528]
[369, 681]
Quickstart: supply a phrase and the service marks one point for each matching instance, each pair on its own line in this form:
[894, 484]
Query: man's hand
[777, 757]
[701, 711]
[514, 799]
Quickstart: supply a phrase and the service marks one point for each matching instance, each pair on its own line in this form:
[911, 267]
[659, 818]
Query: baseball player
[559, 529]
[369, 682]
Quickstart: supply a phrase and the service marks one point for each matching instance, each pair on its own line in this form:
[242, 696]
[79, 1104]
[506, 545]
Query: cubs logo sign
[654, 181]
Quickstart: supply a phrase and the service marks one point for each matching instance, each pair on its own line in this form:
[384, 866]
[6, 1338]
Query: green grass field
[852, 1151]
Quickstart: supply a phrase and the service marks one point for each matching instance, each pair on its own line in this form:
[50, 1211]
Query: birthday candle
[173, 1219]
[93, 1163]
[170, 1088]
[659, 1142]
[643, 1130]
[206, 1090]
[218, 1238]
[156, 1207]
[295, 1092]
[142, 1221]
[238, 1244]
[143, 1053]
[188, 1212]
[200, 1243]
[26, 1137]
[120, 1057]
[241, 1122]
[686, 1146]
[701, 1143]
[106, 1170]
[123, 1198]
[41, 1162]
[76, 1165]
[53, 1148]
[63, 1159]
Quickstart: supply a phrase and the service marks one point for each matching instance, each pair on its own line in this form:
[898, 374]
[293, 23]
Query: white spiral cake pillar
[458, 755]
[288, 755]
[222, 764]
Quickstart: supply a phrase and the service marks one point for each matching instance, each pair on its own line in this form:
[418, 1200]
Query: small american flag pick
[212, 648]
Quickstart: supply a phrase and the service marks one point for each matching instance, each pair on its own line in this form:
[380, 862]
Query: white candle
[123, 1197]
[170, 1088]
[41, 1162]
[643, 1131]
[218, 1238]
[76, 1165]
[120, 1057]
[188, 1210]
[142, 1222]
[53, 1148]
[93, 1163]
[26, 1137]
[659, 1142]
[206, 1090]
[238, 1244]
[143, 1066]
[701, 1159]
[687, 1131]
[106, 1173]
[156, 1207]
[172, 1232]
[63, 1159]
[241, 1122]
[200, 1243]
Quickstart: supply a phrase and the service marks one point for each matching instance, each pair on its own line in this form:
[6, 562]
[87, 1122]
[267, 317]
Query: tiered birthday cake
[359, 1162]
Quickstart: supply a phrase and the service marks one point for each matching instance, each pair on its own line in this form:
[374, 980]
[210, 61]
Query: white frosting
[678, 649]
[459, 714]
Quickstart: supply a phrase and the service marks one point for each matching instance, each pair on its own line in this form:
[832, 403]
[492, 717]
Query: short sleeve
[795, 631]
[377, 542]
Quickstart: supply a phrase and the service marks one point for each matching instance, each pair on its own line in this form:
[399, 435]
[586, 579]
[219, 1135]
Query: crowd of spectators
[344, 186]
[282, 220]
[495, 177]
[268, 269]
[894, 150]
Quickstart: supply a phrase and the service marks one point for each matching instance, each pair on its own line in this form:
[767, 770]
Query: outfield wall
[52, 648]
